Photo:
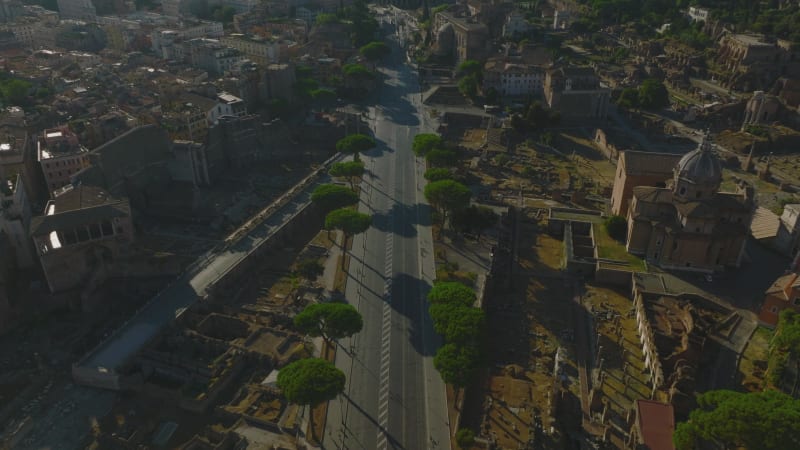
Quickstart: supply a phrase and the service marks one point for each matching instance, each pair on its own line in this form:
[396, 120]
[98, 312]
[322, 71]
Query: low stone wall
[577, 260]
[232, 279]
[608, 149]
[617, 274]
[96, 377]
[555, 224]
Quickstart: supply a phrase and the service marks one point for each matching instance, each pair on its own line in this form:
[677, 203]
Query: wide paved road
[394, 398]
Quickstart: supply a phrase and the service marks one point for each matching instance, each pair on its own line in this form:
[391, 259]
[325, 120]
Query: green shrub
[465, 438]
[616, 227]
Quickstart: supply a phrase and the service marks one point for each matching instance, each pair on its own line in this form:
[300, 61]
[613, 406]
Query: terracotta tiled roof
[731, 201]
[779, 284]
[705, 209]
[651, 194]
[71, 219]
[657, 423]
[647, 162]
[81, 197]
[765, 224]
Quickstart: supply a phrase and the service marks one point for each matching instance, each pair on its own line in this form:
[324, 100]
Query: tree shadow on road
[402, 219]
[409, 299]
[399, 220]
[393, 441]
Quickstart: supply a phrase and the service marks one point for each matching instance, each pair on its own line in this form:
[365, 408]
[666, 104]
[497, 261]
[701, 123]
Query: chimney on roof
[787, 289]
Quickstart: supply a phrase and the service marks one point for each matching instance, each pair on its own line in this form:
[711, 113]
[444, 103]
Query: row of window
[65, 163]
[82, 234]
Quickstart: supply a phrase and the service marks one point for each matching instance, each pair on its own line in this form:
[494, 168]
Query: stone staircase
[445, 95]
[496, 139]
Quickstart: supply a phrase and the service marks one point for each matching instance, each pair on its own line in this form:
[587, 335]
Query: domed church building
[689, 224]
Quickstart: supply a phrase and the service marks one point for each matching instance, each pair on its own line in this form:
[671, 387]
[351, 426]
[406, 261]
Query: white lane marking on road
[386, 330]
[422, 276]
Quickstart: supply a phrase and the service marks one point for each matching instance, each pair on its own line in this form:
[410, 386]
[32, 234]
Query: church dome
[700, 166]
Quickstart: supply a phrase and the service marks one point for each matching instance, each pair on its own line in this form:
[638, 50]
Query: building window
[83, 234]
[106, 227]
[796, 301]
[94, 231]
[774, 310]
[683, 190]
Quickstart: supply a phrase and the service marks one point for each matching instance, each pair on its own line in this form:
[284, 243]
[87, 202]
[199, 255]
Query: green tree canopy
[329, 320]
[357, 72]
[492, 96]
[468, 86]
[348, 221]
[439, 9]
[451, 292]
[474, 219]
[438, 174]
[355, 144]
[363, 23]
[326, 18]
[538, 117]
[305, 87]
[784, 347]
[425, 142]
[447, 196]
[470, 67]
[310, 381]
[441, 157]
[458, 324]
[333, 196]
[347, 169]
[323, 95]
[15, 91]
[768, 420]
[457, 365]
[628, 98]
[465, 438]
[788, 332]
[616, 227]
[375, 51]
[278, 107]
[653, 94]
[222, 13]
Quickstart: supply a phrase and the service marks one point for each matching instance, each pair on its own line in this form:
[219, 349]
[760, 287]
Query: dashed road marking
[386, 333]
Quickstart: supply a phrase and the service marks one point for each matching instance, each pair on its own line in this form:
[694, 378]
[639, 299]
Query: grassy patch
[466, 278]
[607, 247]
[317, 423]
[753, 363]
[283, 286]
[324, 239]
[340, 280]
